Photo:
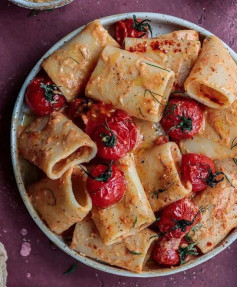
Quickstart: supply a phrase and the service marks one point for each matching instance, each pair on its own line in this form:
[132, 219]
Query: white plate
[49, 4]
[160, 24]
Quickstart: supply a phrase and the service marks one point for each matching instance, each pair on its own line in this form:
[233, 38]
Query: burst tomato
[182, 118]
[43, 97]
[165, 252]
[199, 170]
[178, 218]
[134, 28]
[106, 185]
[113, 131]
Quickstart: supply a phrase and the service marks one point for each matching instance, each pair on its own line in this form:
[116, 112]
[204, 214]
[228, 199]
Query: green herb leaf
[186, 123]
[156, 66]
[157, 218]
[183, 223]
[235, 160]
[104, 176]
[141, 26]
[232, 144]
[141, 112]
[71, 269]
[165, 189]
[50, 91]
[133, 252]
[33, 13]
[153, 95]
[135, 222]
[187, 237]
[169, 109]
[189, 250]
[110, 139]
[211, 179]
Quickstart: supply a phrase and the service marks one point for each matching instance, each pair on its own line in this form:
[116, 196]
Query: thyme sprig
[71, 269]
[189, 250]
[152, 94]
[110, 139]
[235, 160]
[232, 144]
[135, 222]
[152, 65]
[141, 26]
[133, 252]
[104, 176]
[160, 190]
[50, 90]
[211, 180]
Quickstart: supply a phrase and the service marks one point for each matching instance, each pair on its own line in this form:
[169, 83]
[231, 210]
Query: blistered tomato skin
[165, 252]
[124, 28]
[114, 132]
[43, 97]
[182, 118]
[178, 218]
[196, 168]
[105, 194]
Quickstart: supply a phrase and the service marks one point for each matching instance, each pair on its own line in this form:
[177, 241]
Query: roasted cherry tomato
[182, 118]
[43, 97]
[106, 185]
[199, 170]
[178, 218]
[78, 108]
[134, 28]
[161, 140]
[173, 251]
[165, 252]
[113, 131]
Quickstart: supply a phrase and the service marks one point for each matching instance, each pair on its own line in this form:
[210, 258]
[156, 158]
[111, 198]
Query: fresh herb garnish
[71, 269]
[104, 176]
[53, 203]
[232, 144]
[141, 112]
[189, 250]
[110, 139]
[186, 123]
[235, 160]
[169, 109]
[135, 222]
[183, 223]
[133, 252]
[157, 218]
[165, 189]
[156, 66]
[211, 179]
[73, 60]
[160, 190]
[187, 237]
[141, 26]
[33, 13]
[153, 95]
[49, 91]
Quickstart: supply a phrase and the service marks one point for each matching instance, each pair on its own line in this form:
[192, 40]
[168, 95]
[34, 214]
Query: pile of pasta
[138, 78]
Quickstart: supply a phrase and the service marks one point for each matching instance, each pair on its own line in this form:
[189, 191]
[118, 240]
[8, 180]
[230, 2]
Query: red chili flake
[140, 47]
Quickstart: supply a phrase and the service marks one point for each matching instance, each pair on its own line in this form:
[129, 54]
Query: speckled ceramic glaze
[161, 24]
[48, 4]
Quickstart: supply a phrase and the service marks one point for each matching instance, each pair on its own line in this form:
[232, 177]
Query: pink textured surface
[23, 41]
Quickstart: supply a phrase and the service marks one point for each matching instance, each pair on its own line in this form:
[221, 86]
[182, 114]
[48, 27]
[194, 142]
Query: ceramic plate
[160, 24]
[48, 4]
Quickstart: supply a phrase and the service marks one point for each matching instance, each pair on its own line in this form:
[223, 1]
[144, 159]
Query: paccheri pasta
[137, 141]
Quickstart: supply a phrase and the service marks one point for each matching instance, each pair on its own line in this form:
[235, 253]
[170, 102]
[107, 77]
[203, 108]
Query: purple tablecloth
[23, 40]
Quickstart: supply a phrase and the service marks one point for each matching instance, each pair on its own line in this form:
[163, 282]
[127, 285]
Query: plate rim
[108, 20]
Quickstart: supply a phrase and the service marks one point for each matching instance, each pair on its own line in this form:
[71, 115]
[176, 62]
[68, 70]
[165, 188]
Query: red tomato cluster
[175, 222]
